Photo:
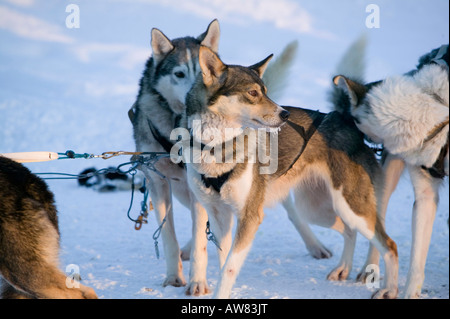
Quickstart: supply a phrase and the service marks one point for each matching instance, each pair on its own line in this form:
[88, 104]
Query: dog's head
[407, 113]
[176, 63]
[359, 104]
[236, 93]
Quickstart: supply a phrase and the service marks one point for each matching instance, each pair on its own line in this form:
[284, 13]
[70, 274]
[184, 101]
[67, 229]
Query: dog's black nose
[284, 115]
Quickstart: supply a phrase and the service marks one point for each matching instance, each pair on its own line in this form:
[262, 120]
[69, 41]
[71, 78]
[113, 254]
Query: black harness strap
[306, 135]
[164, 142]
[216, 182]
[438, 168]
[219, 181]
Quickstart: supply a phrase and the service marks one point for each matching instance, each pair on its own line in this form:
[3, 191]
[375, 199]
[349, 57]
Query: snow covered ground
[70, 88]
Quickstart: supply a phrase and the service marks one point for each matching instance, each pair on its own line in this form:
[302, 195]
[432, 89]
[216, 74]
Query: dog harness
[306, 135]
[215, 182]
[164, 142]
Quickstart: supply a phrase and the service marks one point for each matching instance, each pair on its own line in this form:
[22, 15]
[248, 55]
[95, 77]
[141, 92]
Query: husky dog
[167, 78]
[29, 238]
[409, 115]
[334, 176]
[169, 75]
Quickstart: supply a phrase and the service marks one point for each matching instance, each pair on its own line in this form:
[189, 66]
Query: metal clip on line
[210, 236]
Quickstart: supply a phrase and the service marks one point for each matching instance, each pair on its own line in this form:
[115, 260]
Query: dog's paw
[175, 281]
[197, 288]
[339, 273]
[411, 294]
[385, 294]
[319, 251]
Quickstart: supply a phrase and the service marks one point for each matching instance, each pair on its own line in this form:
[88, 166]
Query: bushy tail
[352, 65]
[276, 76]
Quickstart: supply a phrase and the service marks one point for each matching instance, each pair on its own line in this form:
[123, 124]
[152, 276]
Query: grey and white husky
[169, 75]
[322, 158]
[166, 80]
[29, 239]
[409, 115]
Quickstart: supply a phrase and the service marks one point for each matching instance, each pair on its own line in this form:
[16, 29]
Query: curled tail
[276, 76]
[352, 65]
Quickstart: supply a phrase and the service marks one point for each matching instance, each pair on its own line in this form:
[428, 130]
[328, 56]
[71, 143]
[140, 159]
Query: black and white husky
[409, 115]
[169, 75]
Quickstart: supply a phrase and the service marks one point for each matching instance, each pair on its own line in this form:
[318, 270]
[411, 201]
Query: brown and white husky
[246, 152]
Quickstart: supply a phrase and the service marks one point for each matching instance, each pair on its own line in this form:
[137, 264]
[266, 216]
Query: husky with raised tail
[29, 239]
[322, 158]
[409, 115]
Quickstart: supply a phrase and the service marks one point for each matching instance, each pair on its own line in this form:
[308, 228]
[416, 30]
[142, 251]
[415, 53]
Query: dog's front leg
[426, 192]
[221, 223]
[198, 284]
[162, 203]
[248, 223]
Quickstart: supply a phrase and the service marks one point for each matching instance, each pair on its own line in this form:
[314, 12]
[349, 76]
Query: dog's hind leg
[314, 204]
[388, 250]
[426, 192]
[393, 168]
[186, 251]
[314, 246]
[370, 227]
[31, 267]
[9, 292]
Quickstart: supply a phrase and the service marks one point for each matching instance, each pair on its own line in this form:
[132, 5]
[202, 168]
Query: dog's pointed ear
[210, 38]
[161, 45]
[260, 67]
[356, 91]
[212, 67]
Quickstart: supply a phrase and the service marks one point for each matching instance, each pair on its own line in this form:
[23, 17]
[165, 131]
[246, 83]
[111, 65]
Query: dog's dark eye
[253, 93]
[180, 74]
